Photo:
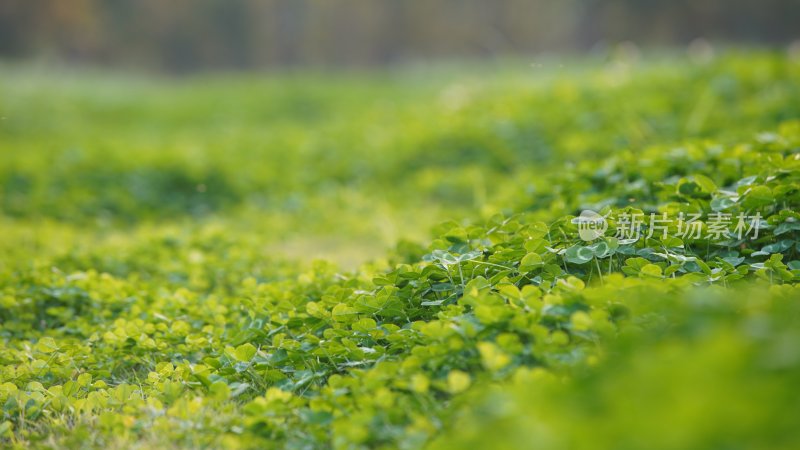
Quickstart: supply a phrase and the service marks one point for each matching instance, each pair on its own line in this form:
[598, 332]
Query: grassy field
[396, 260]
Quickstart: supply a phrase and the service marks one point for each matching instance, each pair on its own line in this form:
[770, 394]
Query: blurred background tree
[187, 35]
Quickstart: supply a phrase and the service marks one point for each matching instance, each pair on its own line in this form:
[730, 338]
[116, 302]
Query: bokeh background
[191, 35]
[337, 128]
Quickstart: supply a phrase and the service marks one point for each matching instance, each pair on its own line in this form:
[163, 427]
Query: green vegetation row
[504, 330]
[84, 148]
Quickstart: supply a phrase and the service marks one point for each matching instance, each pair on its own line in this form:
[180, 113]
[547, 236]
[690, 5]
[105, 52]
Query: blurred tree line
[195, 34]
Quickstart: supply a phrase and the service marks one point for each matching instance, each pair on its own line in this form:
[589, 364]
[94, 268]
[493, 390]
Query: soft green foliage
[147, 299]
[717, 375]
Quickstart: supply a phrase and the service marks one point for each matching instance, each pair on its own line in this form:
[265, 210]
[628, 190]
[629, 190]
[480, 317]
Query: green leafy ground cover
[157, 237]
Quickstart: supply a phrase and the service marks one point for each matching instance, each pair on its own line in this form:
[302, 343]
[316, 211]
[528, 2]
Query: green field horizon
[396, 258]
